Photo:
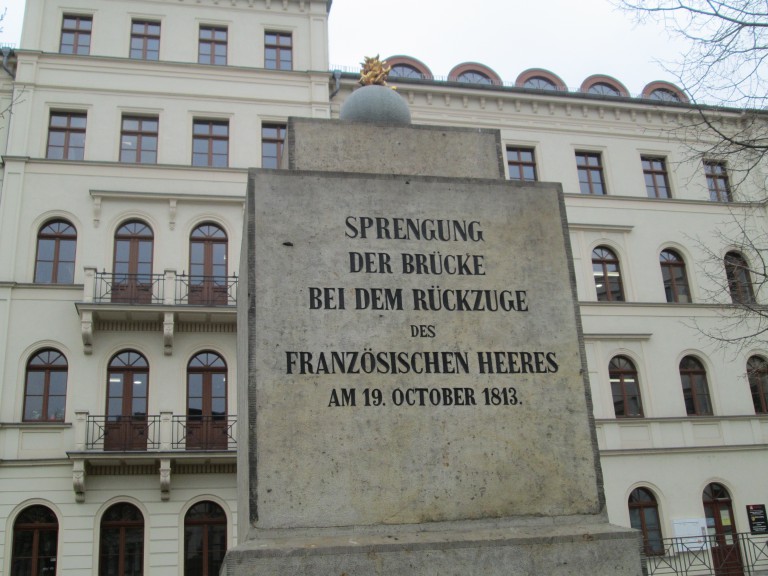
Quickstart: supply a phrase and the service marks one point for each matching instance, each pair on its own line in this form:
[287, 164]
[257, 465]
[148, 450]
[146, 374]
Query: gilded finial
[374, 71]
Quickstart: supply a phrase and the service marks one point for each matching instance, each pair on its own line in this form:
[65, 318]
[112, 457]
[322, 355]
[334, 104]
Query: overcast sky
[572, 38]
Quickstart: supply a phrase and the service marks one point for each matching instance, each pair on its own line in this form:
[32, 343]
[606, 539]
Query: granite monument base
[542, 547]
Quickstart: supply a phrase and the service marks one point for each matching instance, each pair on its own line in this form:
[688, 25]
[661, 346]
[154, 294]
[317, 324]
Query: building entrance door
[721, 527]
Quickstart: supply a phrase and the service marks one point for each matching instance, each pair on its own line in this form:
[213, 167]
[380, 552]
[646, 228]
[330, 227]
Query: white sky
[572, 38]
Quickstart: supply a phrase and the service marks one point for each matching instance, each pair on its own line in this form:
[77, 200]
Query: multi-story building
[125, 153]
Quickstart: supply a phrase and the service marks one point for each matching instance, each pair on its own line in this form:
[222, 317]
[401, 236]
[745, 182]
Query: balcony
[156, 302]
[150, 442]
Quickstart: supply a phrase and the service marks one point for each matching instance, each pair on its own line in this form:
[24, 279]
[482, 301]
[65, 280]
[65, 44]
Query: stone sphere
[375, 104]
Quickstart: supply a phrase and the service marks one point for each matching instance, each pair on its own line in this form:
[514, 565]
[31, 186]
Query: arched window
[45, 389]
[695, 388]
[739, 279]
[625, 387]
[404, 71]
[721, 529]
[35, 542]
[207, 425]
[607, 274]
[757, 374]
[674, 276]
[603, 89]
[644, 516]
[664, 95]
[208, 265]
[121, 543]
[205, 539]
[539, 83]
[127, 392]
[474, 77]
[132, 281]
[55, 261]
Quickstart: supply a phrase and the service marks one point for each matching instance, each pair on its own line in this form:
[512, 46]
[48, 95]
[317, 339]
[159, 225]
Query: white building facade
[125, 161]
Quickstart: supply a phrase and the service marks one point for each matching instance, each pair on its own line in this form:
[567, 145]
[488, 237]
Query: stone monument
[412, 365]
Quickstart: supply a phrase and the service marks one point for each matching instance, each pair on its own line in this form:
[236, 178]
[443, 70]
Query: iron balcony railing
[206, 290]
[733, 554]
[204, 433]
[163, 432]
[128, 288]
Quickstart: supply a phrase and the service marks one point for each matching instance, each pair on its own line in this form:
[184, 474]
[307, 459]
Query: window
[125, 428]
[208, 266]
[145, 40]
[717, 181]
[210, 143]
[625, 387]
[656, 181]
[603, 89]
[278, 51]
[205, 539]
[674, 276]
[132, 273]
[212, 45]
[207, 426]
[757, 374]
[522, 165]
[474, 77]
[644, 516]
[45, 388]
[35, 542]
[55, 260]
[121, 542]
[695, 387]
[539, 83]
[76, 35]
[739, 279]
[404, 71]
[605, 269]
[590, 167]
[66, 136]
[664, 95]
[272, 142]
[138, 140]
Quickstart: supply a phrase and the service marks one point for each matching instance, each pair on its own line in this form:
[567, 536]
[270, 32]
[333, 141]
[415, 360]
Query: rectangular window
[138, 140]
[278, 51]
[272, 141]
[656, 180]
[66, 136]
[145, 40]
[590, 168]
[717, 181]
[212, 45]
[210, 143]
[76, 34]
[522, 164]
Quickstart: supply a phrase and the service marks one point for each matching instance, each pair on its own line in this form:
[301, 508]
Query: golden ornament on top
[374, 72]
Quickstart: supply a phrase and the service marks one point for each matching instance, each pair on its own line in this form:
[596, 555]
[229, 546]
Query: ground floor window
[35, 542]
[121, 546]
[205, 539]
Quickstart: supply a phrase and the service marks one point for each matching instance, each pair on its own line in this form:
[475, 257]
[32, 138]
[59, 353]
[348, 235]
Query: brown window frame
[46, 362]
[643, 500]
[209, 42]
[272, 135]
[145, 135]
[72, 146]
[589, 166]
[122, 520]
[520, 159]
[757, 375]
[622, 374]
[80, 27]
[676, 287]
[204, 132]
[145, 33]
[739, 279]
[696, 395]
[59, 269]
[43, 553]
[606, 260]
[717, 181]
[206, 523]
[208, 258]
[278, 50]
[207, 428]
[656, 176]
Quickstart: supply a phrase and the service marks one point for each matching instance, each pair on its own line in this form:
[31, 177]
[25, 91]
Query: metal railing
[206, 290]
[204, 433]
[741, 554]
[128, 288]
[122, 433]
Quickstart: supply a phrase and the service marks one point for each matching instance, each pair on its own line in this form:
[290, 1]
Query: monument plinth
[415, 381]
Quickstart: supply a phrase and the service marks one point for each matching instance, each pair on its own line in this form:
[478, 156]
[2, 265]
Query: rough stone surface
[336, 146]
[375, 104]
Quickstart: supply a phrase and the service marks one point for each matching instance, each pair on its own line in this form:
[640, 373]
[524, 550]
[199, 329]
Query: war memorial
[412, 362]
